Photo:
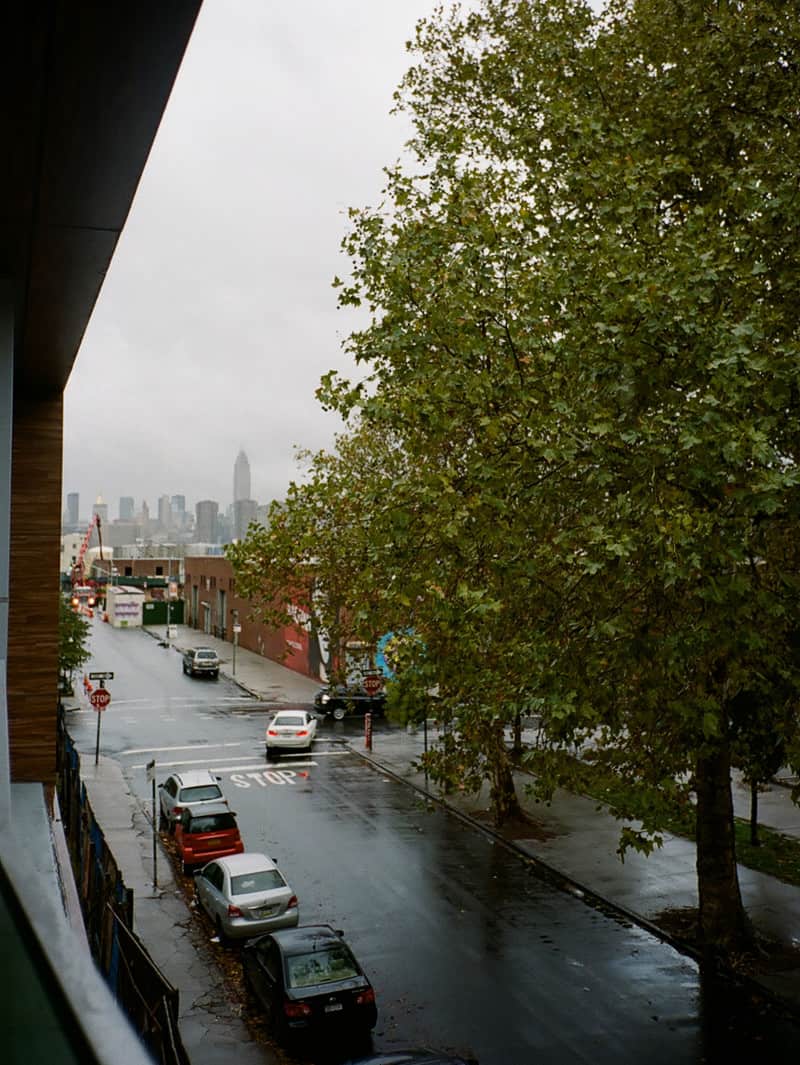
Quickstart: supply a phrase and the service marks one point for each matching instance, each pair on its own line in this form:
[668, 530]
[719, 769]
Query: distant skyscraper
[241, 477]
[126, 508]
[244, 511]
[164, 512]
[205, 529]
[101, 510]
[72, 508]
[178, 504]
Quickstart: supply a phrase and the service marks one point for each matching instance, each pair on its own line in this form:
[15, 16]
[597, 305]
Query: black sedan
[307, 980]
[343, 699]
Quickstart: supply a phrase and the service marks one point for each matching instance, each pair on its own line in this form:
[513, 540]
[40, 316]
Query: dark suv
[343, 699]
[201, 660]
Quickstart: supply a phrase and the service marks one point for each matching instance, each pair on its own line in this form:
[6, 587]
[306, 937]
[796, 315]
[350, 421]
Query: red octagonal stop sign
[372, 684]
[100, 698]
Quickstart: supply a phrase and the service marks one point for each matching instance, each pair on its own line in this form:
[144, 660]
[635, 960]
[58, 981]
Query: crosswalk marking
[185, 747]
[241, 758]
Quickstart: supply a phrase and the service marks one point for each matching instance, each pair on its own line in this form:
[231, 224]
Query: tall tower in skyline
[126, 506]
[101, 510]
[205, 530]
[73, 516]
[241, 477]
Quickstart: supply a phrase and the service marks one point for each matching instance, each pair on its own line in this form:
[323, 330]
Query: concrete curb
[567, 884]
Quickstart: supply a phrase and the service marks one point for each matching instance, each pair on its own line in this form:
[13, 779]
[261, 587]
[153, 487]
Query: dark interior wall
[32, 671]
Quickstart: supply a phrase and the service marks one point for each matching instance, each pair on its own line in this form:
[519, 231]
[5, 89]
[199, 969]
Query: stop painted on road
[264, 777]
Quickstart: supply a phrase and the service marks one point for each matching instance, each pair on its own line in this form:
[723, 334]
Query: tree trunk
[517, 748]
[505, 804]
[724, 927]
[754, 840]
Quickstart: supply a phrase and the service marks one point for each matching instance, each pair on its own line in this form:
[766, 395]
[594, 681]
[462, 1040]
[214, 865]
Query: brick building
[212, 606]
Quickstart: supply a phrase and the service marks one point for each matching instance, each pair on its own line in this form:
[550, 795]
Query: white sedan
[290, 730]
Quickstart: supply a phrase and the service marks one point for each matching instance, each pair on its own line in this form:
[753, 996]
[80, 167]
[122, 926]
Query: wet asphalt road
[468, 950]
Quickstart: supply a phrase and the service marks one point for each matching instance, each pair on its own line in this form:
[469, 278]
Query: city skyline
[128, 507]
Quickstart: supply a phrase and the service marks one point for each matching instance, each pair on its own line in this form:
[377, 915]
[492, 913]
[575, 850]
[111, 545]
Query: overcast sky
[217, 317]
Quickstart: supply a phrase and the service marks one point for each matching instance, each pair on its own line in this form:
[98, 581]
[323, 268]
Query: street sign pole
[151, 776]
[237, 628]
[97, 744]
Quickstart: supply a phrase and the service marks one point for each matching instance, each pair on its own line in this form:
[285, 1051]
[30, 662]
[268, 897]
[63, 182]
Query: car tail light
[178, 811]
[272, 732]
[234, 911]
[292, 903]
[297, 1009]
[302, 732]
[364, 998]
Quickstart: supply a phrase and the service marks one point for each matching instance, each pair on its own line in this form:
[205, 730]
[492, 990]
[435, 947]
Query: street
[467, 948]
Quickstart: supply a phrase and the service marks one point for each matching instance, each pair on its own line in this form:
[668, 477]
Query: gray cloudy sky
[217, 317]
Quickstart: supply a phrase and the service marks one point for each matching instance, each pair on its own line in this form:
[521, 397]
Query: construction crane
[83, 594]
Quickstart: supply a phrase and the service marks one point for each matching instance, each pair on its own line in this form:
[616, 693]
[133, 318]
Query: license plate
[211, 842]
[266, 911]
[332, 1007]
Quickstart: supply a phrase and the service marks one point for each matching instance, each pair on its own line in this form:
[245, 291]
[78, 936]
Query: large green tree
[583, 332]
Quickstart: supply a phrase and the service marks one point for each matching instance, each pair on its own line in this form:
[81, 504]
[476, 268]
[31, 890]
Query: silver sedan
[246, 895]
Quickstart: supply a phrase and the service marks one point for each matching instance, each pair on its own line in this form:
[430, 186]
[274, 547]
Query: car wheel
[339, 712]
[215, 675]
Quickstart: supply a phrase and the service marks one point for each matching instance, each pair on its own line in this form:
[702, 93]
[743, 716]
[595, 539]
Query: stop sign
[100, 698]
[372, 684]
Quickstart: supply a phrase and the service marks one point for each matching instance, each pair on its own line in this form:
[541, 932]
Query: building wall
[209, 589]
[34, 587]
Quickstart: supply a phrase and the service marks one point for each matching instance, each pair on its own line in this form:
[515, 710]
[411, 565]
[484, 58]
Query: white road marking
[197, 761]
[263, 777]
[186, 747]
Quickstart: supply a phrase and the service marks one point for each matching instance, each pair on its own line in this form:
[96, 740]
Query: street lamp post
[236, 630]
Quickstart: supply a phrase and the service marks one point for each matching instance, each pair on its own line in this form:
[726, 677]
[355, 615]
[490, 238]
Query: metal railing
[141, 989]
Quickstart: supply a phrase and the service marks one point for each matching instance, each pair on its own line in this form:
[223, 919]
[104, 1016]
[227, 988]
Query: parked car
[290, 730]
[308, 980]
[201, 661]
[343, 699]
[246, 895]
[207, 833]
[182, 791]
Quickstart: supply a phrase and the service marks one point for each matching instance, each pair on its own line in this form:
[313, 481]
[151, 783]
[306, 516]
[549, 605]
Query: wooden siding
[34, 588]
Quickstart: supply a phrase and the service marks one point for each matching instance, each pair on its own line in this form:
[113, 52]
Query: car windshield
[321, 967]
[200, 793]
[205, 654]
[264, 880]
[212, 823]
[295, 720]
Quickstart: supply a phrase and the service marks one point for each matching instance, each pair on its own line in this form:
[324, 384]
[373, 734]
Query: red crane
[79, 569]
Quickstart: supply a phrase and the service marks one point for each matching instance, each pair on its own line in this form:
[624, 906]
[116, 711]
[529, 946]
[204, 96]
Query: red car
[207, 833]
